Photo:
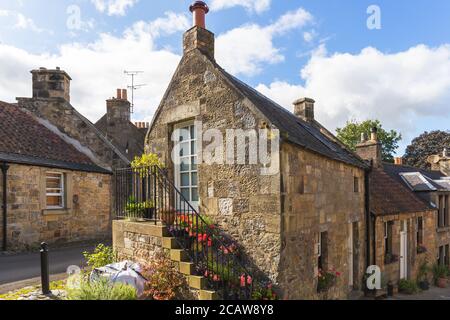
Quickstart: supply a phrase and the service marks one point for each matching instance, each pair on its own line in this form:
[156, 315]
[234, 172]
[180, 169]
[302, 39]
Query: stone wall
[243, 202]
[136, 241]
[86, 216]
[392, 270]
[319, 196]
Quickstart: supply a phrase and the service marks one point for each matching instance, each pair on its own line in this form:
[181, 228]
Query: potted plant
[326, 280]
[422, 276]
[440, 274]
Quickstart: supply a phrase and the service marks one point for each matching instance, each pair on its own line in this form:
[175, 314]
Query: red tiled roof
[22, 136]
[388, 196]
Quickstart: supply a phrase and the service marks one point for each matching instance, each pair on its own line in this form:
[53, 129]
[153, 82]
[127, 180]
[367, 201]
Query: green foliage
[263, 292]
[164, 282]
[422, 273]
[408, 286]
[350, 135]
[102, 256]
[439, 272]
[101, 289]
[425, 145]
[147, 160]
[135, 209]
[326, 280]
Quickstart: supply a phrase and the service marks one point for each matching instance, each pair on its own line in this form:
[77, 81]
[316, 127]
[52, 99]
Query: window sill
[55, 212]
[443, 229]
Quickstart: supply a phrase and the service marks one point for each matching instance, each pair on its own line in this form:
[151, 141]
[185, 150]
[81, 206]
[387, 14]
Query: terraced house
[408, 224]
[306, 213]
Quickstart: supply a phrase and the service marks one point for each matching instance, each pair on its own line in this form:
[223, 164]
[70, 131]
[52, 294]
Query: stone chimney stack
[118, 109]
[51, 83]
[398, 161]
[441, 162]
[198, 37]
[304, 109]
[371, 149]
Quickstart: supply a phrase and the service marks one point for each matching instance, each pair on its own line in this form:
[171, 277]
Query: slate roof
[390, 196]
[26, 141]
[417, 179]
[135, 142]
[294, 129]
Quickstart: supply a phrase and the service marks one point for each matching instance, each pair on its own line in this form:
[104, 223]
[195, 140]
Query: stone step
[186, 268]
[179, 255]
[170, 243]
[207, 295]
[198, 282]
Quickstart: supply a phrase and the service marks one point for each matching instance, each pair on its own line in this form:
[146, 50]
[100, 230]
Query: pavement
[433, 294]
[18, 268]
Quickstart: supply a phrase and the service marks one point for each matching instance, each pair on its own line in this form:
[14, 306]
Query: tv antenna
[133, 86]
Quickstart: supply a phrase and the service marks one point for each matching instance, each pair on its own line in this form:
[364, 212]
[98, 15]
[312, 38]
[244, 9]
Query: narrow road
[26, 266]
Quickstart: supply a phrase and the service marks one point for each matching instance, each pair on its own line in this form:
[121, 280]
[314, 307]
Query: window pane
[194, 194]
[194, 179]
[185, 166]
[53, 182]
[54, 201]
[184, 149]
[185, 192]
[185, 180]
[194, 163]
[183, 134]
[193, 133]
[193, 147]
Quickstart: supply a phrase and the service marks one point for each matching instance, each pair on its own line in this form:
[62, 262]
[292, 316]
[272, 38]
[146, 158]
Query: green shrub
[439, 272]
[101, 289]
[408, 286]
[102, 256]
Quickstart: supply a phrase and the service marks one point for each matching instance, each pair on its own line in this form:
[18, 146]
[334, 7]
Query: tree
[350, 135]
[425, 145]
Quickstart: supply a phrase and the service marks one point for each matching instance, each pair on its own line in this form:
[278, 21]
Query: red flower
[243, 280]
[249, 280]
[205, 237]
[210, 242]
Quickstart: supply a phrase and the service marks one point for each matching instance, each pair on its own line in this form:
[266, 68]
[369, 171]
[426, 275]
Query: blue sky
[285, 48]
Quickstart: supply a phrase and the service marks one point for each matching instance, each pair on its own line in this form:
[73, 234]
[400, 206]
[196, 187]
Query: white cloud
[401, 89]
[257, 6]
[98, 68]
[246, 49]
[21, 21]
[114, 7]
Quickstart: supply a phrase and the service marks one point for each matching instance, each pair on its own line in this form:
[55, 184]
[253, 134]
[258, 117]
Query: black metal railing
[147, 194]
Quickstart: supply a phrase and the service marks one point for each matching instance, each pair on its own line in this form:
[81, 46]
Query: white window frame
[177, 170]
[53, 194]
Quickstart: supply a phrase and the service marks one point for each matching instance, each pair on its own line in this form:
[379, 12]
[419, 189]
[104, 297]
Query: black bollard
[45, 276]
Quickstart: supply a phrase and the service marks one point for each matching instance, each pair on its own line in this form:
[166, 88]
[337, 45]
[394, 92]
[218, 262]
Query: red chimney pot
[199, 10]
[119, 94]
[124, 94]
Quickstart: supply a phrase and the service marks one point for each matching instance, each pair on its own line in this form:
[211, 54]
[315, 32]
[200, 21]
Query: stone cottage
[82, 154]
[51, 188]
[300, 211]
[402, 226]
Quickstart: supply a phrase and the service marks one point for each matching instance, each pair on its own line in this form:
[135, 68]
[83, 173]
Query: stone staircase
[181, 259]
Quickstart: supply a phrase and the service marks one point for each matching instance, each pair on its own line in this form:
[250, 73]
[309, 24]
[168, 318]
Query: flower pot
[424, 285]
[149, 213]
[442, 283]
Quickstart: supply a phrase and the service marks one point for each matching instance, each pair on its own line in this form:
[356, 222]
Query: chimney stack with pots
[198, 37]
[118, 109]
[370, 150]
[51, 83]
